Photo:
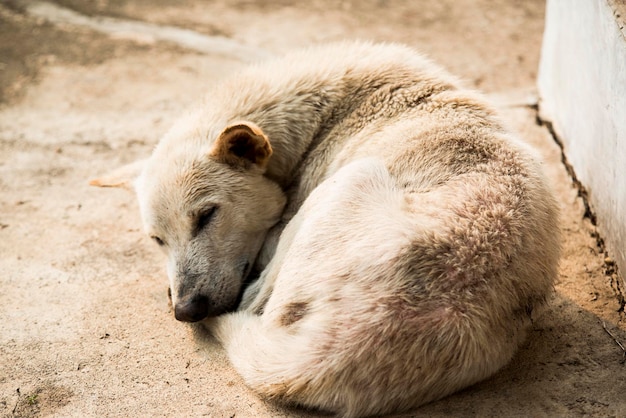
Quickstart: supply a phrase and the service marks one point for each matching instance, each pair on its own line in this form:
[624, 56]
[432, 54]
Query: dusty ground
[86, 326]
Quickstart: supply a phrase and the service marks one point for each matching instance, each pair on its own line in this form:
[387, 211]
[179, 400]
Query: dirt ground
[87, 86]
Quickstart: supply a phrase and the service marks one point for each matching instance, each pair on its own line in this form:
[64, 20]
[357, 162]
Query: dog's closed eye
[158, 240]
[204, 218]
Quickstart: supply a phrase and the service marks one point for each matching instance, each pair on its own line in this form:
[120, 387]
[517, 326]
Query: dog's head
[209, 210]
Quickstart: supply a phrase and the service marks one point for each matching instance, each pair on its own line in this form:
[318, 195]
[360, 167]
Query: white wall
[582, 88]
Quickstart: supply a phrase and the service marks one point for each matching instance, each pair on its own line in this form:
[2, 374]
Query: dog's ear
[122, 177]
[242, 144]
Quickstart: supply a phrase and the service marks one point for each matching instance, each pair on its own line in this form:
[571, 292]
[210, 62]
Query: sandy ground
[86, 326]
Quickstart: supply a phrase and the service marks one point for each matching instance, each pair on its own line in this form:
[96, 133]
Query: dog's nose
[192, 309]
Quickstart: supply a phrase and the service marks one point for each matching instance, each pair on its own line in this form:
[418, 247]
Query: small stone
[609, 261]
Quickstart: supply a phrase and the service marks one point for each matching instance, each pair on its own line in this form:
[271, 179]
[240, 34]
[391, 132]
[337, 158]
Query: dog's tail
[261, 353]
[274, 362]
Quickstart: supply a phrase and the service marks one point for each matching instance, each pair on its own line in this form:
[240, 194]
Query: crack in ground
[610, 267]
[146, 32]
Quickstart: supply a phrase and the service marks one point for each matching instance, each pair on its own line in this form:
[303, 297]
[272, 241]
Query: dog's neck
[297, 121]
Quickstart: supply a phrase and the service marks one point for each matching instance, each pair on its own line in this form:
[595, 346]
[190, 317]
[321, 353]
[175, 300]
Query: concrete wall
[582, 88]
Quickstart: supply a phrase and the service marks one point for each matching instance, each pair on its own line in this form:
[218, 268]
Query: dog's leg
[269, 245]
[258, 293]
[256, 296]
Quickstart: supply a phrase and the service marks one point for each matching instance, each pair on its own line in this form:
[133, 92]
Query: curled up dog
[402, 235]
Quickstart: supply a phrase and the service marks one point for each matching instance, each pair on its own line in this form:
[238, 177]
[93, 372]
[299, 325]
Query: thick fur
[404, 236]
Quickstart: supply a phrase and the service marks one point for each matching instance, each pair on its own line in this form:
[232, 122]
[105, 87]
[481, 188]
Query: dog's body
[403, 235]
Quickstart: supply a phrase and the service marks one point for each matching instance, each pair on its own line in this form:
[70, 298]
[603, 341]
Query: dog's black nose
[192, 309]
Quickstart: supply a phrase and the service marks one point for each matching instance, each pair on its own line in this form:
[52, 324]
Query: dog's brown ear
[242, 144]
[121, 177]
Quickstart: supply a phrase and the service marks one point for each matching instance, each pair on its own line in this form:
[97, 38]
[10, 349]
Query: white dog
[402, 234]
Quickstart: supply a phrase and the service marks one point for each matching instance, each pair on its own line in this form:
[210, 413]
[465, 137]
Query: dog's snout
[192, 309]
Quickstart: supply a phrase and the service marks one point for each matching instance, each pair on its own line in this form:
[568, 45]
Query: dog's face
[210, 215]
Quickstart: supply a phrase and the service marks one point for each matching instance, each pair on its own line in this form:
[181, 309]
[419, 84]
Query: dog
[401, 235]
